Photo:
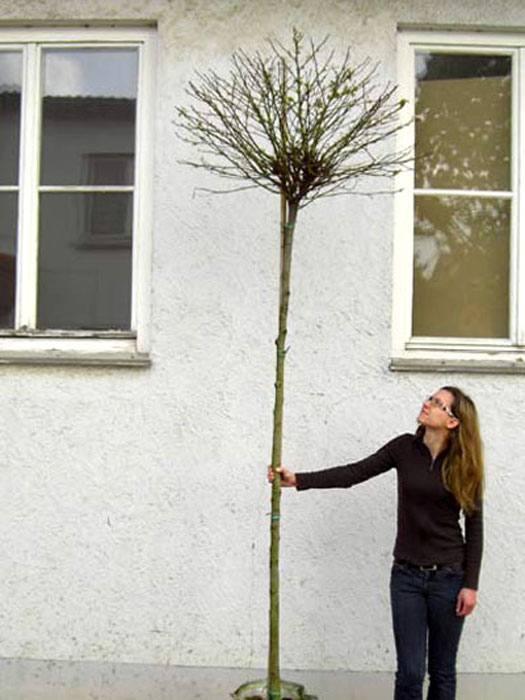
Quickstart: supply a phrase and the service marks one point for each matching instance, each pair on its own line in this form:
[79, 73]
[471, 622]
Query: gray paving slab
[23, 679]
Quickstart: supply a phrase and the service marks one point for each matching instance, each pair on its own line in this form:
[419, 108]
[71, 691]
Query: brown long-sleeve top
[428, 527]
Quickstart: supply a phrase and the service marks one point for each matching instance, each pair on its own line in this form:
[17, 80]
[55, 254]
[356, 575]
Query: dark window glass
[10, 91]
[8, 215]
[84, 261]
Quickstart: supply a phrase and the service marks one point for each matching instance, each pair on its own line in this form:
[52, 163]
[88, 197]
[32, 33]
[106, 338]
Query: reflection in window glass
[8, 216]
[461, 267]
[84, 275]
[10, 89]
[463, 121]
[108, 218]
[110, 168]
[89, 107]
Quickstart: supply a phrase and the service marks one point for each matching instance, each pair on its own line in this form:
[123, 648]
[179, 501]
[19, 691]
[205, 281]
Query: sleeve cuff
[301, 483]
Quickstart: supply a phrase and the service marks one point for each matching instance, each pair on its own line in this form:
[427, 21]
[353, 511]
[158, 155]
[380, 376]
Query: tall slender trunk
[288, 219]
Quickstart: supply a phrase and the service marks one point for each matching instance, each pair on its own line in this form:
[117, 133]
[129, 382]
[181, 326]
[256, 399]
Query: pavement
[27, 679]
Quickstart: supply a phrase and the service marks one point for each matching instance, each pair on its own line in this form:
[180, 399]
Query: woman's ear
[452, 423]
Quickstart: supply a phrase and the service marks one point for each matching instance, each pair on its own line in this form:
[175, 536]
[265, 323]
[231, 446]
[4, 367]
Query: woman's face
[436, 411]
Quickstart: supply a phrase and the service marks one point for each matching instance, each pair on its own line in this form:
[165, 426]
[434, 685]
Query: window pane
[461, 267]
[463, 121]
[8, 215]
[84, 264]
[10, 89]
[89, 109]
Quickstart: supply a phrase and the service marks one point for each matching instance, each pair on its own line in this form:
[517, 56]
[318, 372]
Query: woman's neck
[435, 440]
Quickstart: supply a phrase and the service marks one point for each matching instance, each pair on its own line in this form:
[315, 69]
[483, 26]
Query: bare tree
[301, 124]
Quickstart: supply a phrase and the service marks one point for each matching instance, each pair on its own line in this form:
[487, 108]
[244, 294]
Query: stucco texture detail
[133, 501]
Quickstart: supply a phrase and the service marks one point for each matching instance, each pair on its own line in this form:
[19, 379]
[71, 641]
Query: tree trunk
[288, 219]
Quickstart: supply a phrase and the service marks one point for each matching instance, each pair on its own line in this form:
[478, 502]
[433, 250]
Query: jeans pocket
[399, 568]
[454, 569]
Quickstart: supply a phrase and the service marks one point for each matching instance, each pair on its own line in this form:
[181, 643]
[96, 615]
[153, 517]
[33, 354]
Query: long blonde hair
[462, 470]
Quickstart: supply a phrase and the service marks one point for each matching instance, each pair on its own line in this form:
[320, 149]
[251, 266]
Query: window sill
[63, 349]
[496, 362]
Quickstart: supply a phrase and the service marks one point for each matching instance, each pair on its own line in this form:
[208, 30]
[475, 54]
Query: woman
[435, 572]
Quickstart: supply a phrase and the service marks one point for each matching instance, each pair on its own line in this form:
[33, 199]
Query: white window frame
[459, 354]
[24, 344]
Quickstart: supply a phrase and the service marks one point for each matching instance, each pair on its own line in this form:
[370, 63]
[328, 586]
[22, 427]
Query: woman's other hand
[466, 602]
[287, 476]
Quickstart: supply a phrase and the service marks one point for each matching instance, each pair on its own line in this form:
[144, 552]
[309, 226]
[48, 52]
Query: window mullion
[27, 258]
[519, 221]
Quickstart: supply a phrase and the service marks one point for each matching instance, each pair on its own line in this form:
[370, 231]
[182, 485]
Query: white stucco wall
[133, 505]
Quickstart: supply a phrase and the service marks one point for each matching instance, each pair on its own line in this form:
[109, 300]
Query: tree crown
[294, 122]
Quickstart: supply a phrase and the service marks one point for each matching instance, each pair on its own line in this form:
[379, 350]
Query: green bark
[288, 226]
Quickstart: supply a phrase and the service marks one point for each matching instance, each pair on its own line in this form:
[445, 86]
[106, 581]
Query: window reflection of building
[70, 217]
[86, 221]
[10, 104]
[86, 188]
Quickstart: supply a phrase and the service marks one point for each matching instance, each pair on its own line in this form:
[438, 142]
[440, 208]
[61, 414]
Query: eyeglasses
[434, 401]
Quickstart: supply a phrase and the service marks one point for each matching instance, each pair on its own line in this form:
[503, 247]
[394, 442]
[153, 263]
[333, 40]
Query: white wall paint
[133, 502]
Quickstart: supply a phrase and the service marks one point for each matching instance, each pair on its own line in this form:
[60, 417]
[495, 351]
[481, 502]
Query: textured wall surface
[133, 504]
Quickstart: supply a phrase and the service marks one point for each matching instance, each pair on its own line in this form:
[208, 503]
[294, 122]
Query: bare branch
[294, 121]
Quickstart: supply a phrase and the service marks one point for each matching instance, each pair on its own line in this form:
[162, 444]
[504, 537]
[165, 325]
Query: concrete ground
[63, 680]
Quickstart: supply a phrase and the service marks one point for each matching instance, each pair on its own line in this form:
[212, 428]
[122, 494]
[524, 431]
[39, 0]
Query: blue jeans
[424, 610]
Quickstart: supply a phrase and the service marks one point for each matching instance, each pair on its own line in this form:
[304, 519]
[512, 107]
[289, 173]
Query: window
[75, 109]
[459, 257]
